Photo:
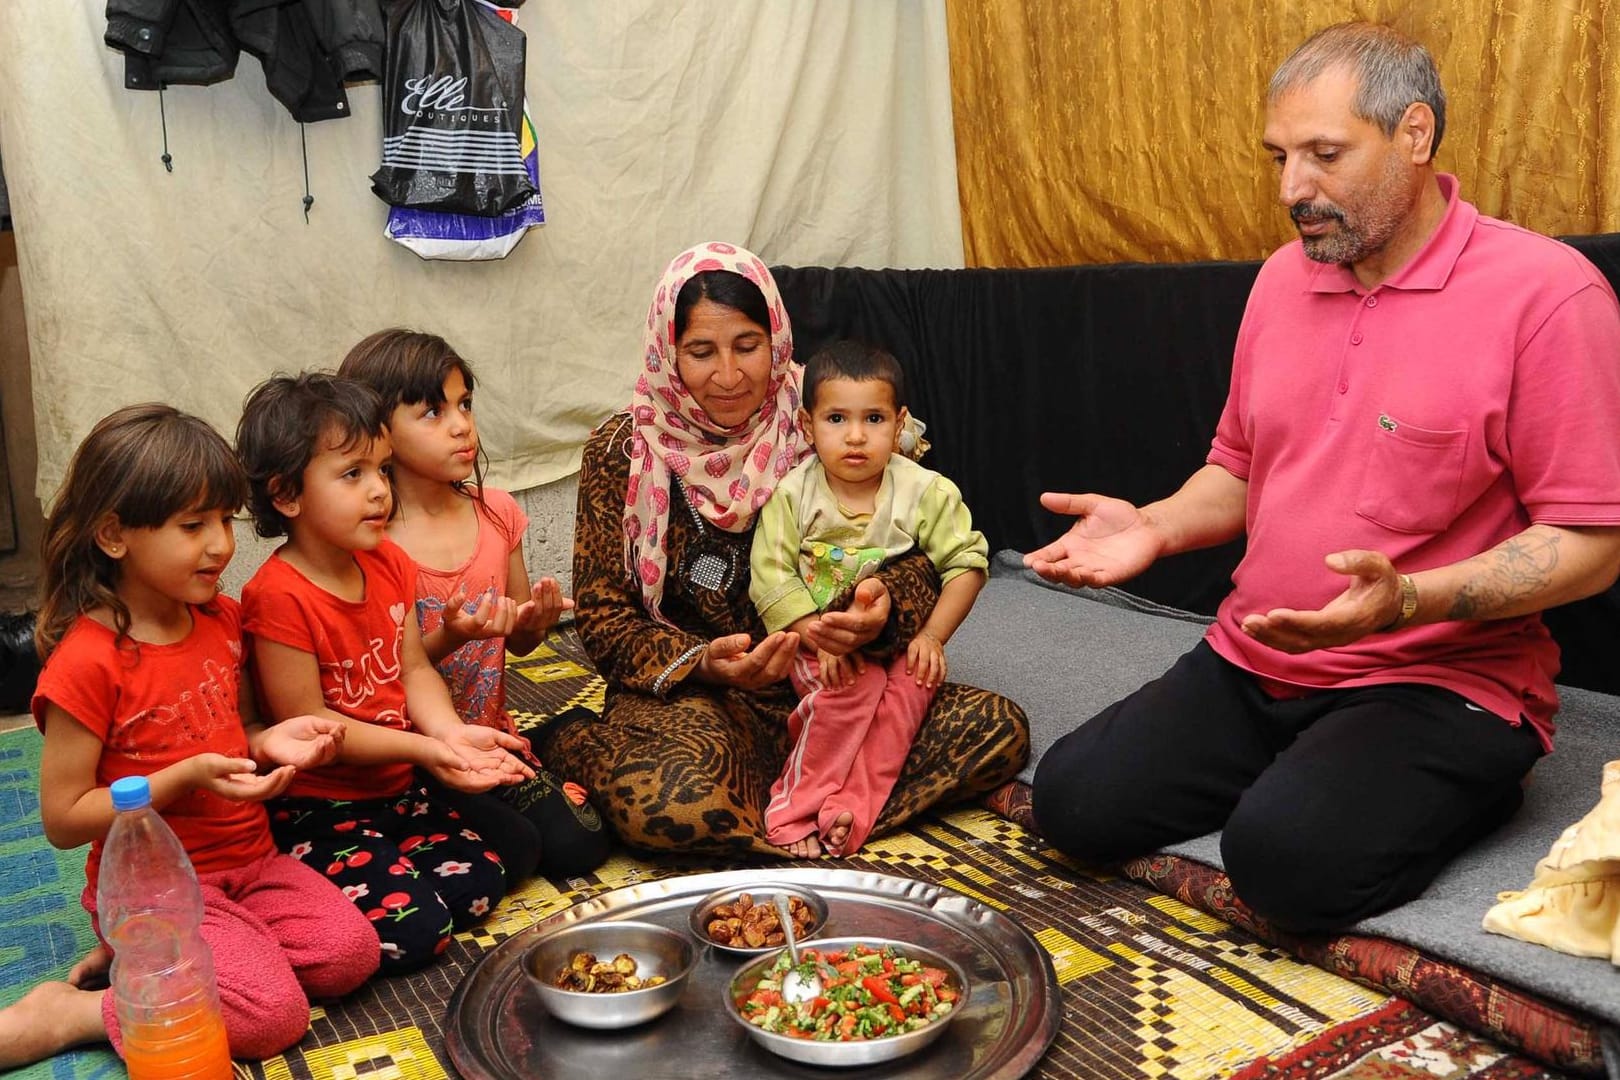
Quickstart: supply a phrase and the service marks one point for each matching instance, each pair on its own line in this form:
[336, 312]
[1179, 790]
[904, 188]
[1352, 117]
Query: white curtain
[816, 132]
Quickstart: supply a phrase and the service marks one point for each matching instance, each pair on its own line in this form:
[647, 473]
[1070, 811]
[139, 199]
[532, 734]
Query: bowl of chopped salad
[880, 999]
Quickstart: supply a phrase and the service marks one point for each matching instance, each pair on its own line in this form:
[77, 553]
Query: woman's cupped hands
[735, 661]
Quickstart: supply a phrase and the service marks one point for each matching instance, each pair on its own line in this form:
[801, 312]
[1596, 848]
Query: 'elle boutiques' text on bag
[452, 109]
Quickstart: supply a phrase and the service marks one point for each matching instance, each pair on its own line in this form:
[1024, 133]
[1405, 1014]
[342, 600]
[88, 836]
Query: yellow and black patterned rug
[1150, 987]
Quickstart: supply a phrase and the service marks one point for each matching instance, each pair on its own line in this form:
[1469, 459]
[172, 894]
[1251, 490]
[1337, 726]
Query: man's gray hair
[1393, 70]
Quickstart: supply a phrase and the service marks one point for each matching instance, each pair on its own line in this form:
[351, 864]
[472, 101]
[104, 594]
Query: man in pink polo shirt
[1422, 444]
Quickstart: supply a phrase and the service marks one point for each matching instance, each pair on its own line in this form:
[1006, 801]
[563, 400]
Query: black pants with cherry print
[409, 862]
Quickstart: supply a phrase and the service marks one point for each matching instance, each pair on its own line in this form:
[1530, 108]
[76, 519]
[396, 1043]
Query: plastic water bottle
[150, 912]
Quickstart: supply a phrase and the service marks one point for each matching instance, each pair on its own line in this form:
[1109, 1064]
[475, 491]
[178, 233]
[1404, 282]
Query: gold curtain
[1093, 131]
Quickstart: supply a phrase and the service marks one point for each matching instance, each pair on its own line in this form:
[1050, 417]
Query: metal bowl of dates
[610, 974]
[852, 1037]
[744, 920]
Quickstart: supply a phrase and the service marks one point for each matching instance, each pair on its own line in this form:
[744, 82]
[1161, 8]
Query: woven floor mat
[1480, 1003]
[554, 678]
[1151, 987]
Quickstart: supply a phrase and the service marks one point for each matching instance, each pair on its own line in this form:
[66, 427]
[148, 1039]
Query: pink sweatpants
[848, 747]
[281, 934]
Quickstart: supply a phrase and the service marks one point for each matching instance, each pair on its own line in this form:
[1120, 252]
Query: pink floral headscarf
[727, 473]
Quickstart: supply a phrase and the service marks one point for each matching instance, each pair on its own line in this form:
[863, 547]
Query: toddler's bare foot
[838, 832]
[50, 1018]
[808, 848]
[90, 973]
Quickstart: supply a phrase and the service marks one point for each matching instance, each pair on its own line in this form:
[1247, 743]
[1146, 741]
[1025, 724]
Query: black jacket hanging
[299, 71]
[172, 41]
[307, 47]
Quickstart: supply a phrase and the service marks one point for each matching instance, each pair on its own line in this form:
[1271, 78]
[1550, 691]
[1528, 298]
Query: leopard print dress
[680, 765]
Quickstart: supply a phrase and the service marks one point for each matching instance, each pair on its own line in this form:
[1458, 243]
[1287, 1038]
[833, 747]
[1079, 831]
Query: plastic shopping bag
[434, 234]
[452, 110]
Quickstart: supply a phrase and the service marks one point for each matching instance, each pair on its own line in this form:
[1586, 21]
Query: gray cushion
[1065, 654]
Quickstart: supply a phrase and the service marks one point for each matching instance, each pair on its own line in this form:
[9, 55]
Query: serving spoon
[796, 986]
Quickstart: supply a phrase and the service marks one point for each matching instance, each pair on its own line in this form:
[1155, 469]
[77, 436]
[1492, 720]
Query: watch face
[1409, 603]
[1409, 597]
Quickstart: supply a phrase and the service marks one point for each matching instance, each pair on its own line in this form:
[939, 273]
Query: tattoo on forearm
[1509, 572]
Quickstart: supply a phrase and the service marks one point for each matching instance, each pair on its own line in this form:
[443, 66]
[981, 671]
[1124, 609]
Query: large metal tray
[497, 1029]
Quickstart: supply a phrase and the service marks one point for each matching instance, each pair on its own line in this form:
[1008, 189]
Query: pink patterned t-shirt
[475, 671]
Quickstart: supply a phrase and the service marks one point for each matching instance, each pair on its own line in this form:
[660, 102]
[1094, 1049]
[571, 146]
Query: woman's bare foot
[50, 1018]
[808, 848]
[91, 972]
[837, 833]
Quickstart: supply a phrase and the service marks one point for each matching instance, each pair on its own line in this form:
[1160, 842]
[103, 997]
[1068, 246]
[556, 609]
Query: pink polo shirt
[1473, 393]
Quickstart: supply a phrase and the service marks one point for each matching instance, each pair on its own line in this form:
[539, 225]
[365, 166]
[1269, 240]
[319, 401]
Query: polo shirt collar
[1429, 268]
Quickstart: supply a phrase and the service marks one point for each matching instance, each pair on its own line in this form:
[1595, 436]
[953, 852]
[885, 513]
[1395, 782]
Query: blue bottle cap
[131, 793]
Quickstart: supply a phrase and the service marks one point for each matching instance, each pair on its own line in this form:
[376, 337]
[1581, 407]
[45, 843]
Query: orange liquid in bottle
[189, 1047]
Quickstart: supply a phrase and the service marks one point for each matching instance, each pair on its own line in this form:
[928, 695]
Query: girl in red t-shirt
[473, 598]
[143, 676]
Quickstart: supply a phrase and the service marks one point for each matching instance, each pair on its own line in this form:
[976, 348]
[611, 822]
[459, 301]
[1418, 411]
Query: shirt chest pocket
[1413, 477]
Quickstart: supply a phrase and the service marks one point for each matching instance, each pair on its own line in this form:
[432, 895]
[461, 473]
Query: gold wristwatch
[1409, 603]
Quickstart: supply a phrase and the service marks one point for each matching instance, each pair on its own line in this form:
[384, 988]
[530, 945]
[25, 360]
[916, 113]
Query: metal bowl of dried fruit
[610, 974]
[744, 920]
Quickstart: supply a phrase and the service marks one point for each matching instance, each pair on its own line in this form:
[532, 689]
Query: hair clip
[911, 441]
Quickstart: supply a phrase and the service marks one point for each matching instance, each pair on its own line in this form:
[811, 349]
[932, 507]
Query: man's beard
[1345, 244]
[1380, 209]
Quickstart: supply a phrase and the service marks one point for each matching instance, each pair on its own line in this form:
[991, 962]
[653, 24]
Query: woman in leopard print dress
[694, 728]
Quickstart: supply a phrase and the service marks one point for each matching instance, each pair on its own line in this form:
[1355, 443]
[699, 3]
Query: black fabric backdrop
[1091, 378]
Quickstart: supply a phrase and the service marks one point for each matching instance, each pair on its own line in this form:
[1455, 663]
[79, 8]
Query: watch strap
[1409, 603]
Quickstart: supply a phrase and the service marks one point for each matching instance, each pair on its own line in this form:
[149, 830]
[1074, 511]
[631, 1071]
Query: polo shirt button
[1372, 301]
[1355, 338]
[1344, 387]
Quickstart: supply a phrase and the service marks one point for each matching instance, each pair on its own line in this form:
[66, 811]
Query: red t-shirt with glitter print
[357, 644]
[154, 705]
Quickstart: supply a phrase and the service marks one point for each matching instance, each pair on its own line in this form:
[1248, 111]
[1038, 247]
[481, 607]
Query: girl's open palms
[490, 756]
[541, 611]
[234, 778]
[302, 741]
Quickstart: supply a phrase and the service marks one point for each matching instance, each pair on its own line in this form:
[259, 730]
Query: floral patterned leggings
[407, 862]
